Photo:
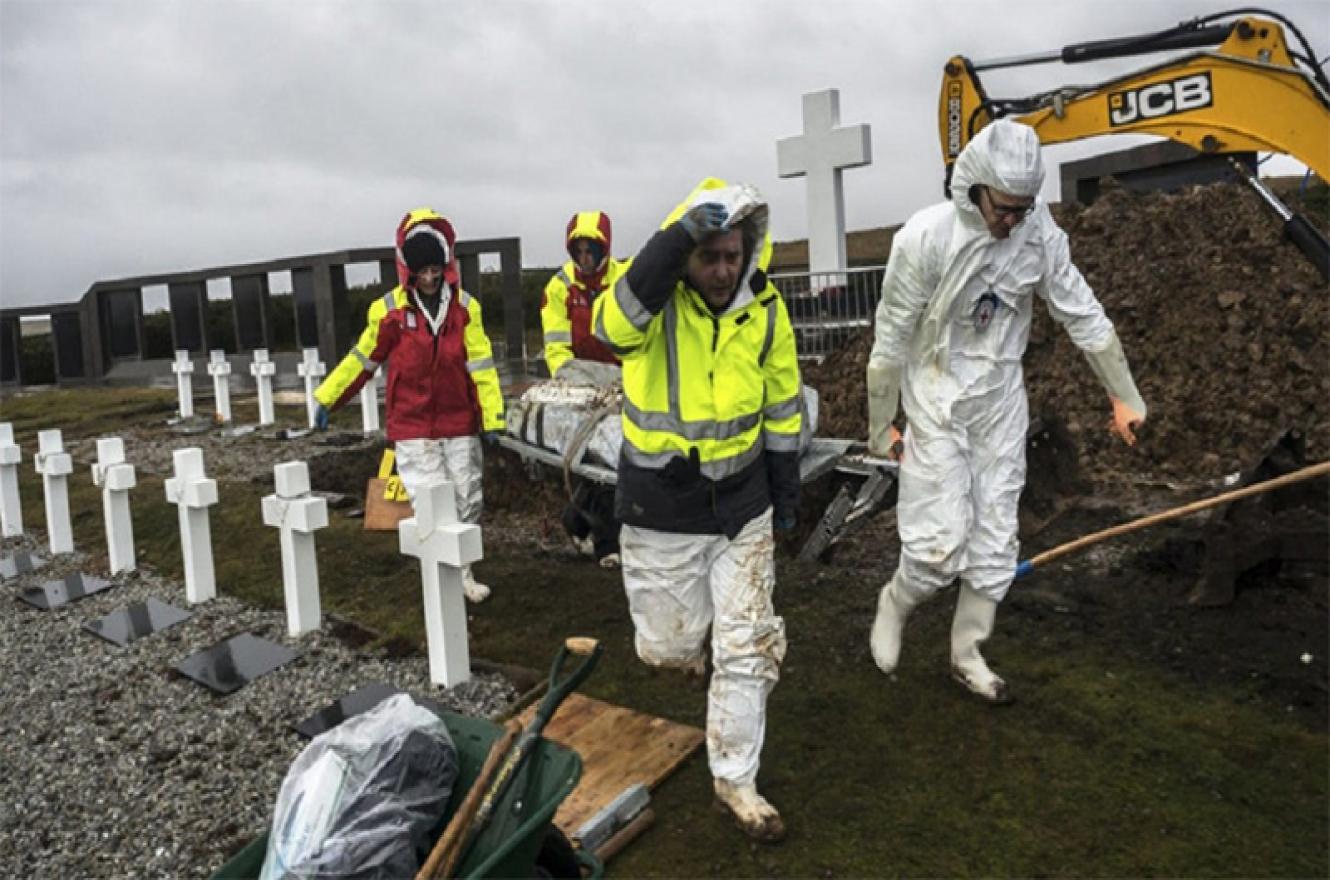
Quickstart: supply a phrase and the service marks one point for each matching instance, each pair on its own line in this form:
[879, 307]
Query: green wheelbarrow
[519, 838]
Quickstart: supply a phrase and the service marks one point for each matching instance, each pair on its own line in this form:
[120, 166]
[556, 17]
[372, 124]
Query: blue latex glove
[490, 438]
[321, 417]
[704, 219]
[784, 522]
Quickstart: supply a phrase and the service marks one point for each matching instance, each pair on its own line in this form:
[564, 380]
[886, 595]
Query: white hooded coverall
[955, 315]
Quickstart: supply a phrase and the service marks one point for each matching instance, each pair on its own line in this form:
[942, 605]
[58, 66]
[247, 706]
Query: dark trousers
[591, 512]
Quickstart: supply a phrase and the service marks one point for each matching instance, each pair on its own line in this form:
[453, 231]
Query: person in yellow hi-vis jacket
[565, 318]
[711, 420]
[443, 389]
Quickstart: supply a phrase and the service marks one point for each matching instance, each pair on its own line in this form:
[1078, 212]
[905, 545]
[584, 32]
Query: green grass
[1111, 764]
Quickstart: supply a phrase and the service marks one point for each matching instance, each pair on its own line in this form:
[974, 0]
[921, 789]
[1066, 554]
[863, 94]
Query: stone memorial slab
[20, 563]
[70, 588]
[228, 666]
[353, 704]
[137, 620]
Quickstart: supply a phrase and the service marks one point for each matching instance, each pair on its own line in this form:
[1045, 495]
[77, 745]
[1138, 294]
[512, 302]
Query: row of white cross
[310, 369]
[434, 535]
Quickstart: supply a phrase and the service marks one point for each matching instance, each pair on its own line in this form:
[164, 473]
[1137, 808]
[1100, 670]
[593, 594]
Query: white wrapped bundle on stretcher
[572, 423]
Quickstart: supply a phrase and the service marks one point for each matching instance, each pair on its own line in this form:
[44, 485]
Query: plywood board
[618, 746]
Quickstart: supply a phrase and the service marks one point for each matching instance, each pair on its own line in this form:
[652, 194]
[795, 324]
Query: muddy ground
[1150, 736]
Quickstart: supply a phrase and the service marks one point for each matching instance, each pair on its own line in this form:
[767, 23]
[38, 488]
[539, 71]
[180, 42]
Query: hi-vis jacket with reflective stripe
[442, 381]
[565, 309]
[711, 411]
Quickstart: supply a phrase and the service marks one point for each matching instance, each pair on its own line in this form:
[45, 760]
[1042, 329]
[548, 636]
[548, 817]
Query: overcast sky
[142, 137]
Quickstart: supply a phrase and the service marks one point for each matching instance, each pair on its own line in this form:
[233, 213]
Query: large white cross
[821, 153]
[11, 510]
[193, 493]
[116, 477]
[312, 369]
[443, 545]
[220, 370]
[184, 380]
[55, 466]
[298, 514]
[262, 370]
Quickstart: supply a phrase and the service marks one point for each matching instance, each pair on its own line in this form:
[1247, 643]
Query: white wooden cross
[116, 477]
[220, 370]
[313, 370]
[11, 510]
[193, 493]
[262, 370]
[369, 404]
[443, 545]
[55, 466]
[821, 153]
[184, 380]
[293, 510]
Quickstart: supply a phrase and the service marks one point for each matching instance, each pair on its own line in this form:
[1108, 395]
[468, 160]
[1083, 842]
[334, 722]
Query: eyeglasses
[1016, 212]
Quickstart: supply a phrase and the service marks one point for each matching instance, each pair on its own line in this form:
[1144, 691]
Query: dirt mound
[1226, 326]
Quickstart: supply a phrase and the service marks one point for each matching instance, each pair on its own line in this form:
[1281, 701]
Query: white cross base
[443, 545]
[298, 515]
[116, 477]
[312, 369]
[55, 465]
[821, 153]
[369, 404]
[11, 509]
[184, 380]
[193, 493]
[220, 370]
[263, 370]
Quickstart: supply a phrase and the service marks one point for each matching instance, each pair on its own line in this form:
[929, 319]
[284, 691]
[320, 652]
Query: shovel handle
[560, 688]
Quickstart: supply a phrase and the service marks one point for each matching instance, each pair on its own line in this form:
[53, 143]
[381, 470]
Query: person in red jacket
[443, 389]
[565, 318]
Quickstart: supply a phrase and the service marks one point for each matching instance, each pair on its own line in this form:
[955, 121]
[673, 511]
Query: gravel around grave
[114, 765]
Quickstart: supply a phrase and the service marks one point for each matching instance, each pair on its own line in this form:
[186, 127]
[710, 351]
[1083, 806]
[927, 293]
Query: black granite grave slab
[20, 563]
[69, 588]
[230, 665]
[352, 704]
[137, 620]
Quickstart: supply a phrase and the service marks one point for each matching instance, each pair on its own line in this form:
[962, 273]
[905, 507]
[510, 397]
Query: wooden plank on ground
[618, 746]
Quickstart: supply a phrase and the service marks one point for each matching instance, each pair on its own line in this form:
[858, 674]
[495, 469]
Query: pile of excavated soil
[1226, 326]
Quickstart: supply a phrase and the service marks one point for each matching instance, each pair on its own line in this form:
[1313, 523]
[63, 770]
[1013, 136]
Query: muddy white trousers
[680, 585]
[457, 460]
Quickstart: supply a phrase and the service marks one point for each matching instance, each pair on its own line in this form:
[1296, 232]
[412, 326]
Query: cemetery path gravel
[114, 765]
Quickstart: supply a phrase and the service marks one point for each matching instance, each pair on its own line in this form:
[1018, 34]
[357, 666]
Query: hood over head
[427, 222]
[1006, 156]
[595, 227]
[746, 208]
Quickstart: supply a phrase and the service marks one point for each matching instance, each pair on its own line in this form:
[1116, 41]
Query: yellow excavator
[1244, 88]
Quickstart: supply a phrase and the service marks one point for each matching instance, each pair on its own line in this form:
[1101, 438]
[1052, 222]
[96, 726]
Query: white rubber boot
[474, 590]
[755, 816]
[610, 561]
[892, 610]
[972, 626]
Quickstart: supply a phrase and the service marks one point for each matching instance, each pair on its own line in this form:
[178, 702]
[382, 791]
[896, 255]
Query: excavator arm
[1251, 92]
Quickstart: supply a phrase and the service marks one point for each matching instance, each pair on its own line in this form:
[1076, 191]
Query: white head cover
[1006, 156]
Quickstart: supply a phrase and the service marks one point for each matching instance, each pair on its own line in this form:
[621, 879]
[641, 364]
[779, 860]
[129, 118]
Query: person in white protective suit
[951, 328]
[708, 467]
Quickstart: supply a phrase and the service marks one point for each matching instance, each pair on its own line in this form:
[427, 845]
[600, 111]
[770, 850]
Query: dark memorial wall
[307, 316]
[9, 343]
[187, 299]
[120, 320]
[249, 299]
[67, 329]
